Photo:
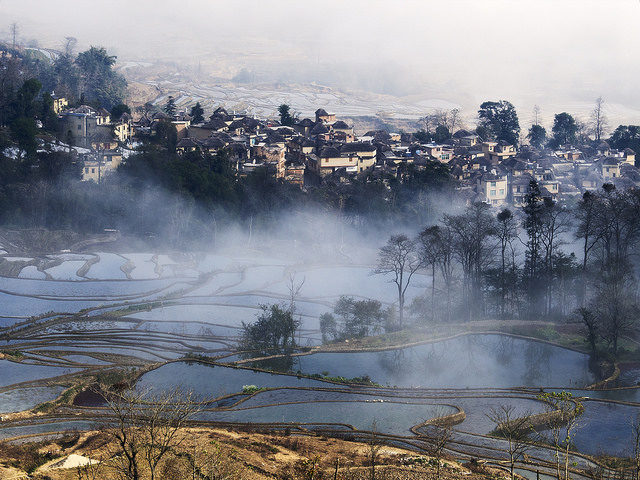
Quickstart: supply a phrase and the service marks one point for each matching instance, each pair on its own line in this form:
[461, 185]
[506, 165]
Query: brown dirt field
[241, 455]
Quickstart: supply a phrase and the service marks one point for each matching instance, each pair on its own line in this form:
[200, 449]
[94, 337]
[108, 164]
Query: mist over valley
[414, 225]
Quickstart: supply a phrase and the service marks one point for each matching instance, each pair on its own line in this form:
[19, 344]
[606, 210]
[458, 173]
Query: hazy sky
[559, 54]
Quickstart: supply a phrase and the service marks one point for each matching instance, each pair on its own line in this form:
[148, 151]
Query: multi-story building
[493, 189]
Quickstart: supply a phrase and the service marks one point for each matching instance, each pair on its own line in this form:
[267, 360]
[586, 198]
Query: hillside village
[313, 151]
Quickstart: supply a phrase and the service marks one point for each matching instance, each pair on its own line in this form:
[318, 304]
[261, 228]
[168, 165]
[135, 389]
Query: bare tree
[562, 421]
[294, 288]
[91, 471]
[375, 445]
[514, 429]
[506, 231]
[430, 122]
[615, 308]
[599, 122]
[147, 427]
[536, 114]
[400, 258]
[473, 247]
[614, 303]
[455, 120]
[437, 251]
[591, 326]
[587, 215]
[450, 119]
[70, 45]
[634, 421]
[213, 462]
[14, 33]
[438, 432]
[556, 221]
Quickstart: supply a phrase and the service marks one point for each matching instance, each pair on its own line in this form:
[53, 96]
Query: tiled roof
[357, 147]
[329, 152]
[341, 125]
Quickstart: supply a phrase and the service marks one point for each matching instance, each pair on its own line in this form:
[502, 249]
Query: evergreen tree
[170, 107]
[564, 129]
[500, 121]
[197, 113]
[286, 118]
[532, 223]
[537, 136]
[101, 85]
[118, 110]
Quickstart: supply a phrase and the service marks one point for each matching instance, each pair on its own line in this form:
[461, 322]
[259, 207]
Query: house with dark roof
[341, 126]
[187, 145]
[213, 144]
[497, 152]
[365, 151]
[304, 126]
[629, 156]
[214, 125]
[610, 169]
[324, 117]
[352, 157]
[221, 114]
[320, 130]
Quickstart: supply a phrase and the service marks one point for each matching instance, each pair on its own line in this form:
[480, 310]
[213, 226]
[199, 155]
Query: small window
[79, 127]
[493, 184]
[492, 193]
[502, 191]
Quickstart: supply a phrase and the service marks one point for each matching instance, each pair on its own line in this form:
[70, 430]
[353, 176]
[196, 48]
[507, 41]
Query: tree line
[498, 121]
[546, 260]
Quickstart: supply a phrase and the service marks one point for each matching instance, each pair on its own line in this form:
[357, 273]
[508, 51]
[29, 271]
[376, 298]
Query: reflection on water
[206, 317]
[469, 361]
[536, 362]
[207, 381]
[389, 417]
[505, 350]
[23, 398]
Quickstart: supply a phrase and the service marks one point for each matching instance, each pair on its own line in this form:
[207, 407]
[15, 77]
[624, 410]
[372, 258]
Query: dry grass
[218, 453]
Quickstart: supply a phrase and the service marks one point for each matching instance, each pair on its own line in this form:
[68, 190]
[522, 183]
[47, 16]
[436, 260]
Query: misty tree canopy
[100, 84]
[274, 330]
[564, 129]
[537, 136]
[500, 121]
[626, 136]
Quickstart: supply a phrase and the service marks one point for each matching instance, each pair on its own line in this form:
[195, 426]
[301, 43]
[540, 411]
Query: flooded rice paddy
[71, 314]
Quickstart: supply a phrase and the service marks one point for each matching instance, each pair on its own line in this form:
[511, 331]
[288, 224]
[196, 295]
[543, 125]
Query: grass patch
[252, 389]
[13, 354]
[363, 380]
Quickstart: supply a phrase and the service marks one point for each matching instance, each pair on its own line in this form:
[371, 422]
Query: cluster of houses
[313, 151]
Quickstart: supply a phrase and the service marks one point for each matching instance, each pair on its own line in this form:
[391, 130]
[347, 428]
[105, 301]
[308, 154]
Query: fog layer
[560, 55]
